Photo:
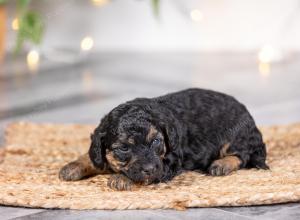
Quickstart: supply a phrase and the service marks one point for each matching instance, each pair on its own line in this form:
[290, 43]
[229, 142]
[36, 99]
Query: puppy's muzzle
[148, 170]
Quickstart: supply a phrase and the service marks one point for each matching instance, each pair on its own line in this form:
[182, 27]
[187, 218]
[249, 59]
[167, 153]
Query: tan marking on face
[164, 152]
[115, 164]
[128, 165]
[122, 137]
[151, 133]
[130, 140]
[116, 145]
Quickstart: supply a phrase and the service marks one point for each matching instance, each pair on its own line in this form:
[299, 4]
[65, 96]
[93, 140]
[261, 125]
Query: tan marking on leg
[113, 162]
[224, 166]
[151, 133]
[120, 182]
[80, 168]
[223, 151]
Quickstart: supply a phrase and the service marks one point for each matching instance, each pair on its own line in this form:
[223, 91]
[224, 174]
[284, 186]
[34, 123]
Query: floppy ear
[170, 137]
[174, 156]
[173, 139]
[97, 150]
[171, 129]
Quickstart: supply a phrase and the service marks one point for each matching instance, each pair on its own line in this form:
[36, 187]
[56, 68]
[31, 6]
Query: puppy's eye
[155, 142]
[123, 148]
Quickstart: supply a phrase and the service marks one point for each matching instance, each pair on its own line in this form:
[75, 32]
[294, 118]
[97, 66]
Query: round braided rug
[35, 152]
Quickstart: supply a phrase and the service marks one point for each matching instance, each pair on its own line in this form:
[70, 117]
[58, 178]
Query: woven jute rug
[34, 154]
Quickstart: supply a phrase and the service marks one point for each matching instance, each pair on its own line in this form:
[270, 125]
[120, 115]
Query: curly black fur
[193, 125]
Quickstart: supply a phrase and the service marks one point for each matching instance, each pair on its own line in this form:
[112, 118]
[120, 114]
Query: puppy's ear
[97, 150]
[174, 155]
[171, 136]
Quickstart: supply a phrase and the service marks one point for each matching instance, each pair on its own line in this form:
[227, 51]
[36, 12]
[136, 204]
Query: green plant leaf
[30, 28]
[155, 7]
[22, 7]
[23, 3]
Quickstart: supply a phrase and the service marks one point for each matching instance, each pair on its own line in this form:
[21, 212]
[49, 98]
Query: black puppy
[152, 140]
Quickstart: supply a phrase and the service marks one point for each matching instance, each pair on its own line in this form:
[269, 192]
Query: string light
[33, 58]
[100, 2]
[266, 55]
[196, 15]
[87, 43]
[15, 24]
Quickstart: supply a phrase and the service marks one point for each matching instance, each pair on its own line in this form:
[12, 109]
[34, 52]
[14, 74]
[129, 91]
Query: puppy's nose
[148, 169]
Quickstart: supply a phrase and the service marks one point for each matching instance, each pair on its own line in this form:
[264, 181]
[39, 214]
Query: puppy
[152, 140]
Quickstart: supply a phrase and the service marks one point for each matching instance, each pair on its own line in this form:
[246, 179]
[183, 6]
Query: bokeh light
[196, 15]
[15, 24]
[87, 43]
[33, 58]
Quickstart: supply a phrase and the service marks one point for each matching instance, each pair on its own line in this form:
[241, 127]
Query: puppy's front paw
[224, 166]
[120, 182]
[71, 172]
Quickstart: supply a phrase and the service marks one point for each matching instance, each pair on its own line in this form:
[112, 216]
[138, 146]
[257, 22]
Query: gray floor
[83, 91]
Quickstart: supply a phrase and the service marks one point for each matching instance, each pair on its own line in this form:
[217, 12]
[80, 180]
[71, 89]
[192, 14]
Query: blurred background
[72, 61]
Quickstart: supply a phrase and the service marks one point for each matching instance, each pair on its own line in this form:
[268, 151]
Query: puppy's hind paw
[71, 172]
[219, 170]
[224, 166]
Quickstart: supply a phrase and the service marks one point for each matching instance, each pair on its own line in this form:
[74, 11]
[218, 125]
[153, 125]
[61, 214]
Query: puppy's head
[132, 144]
